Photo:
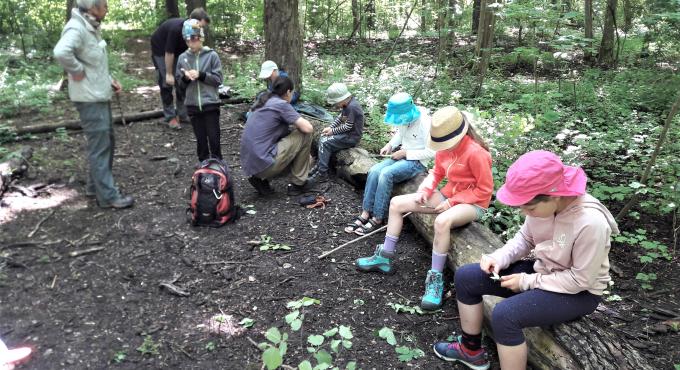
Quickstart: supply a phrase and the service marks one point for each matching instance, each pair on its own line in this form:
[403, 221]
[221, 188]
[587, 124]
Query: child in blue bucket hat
[413, 126]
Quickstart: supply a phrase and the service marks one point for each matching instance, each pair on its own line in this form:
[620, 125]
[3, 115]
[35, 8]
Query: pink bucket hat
[540, 172]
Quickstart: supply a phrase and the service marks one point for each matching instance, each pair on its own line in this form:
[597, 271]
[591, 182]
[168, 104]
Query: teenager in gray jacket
[199, 71]
[82, 52]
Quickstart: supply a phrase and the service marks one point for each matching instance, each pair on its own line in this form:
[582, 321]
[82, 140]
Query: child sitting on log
[413, 125]
[569, 232]
[464, 160]
[345, 132]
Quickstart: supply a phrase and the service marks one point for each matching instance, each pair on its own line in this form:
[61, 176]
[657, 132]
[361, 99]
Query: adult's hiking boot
[319, 178]
[122, 201]
[380, 261]
[454, 351]
[434, 289]
[262, 186]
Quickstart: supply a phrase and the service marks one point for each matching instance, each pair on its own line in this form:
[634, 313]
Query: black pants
[207, 130]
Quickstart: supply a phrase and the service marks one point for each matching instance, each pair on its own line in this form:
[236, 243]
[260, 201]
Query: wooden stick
[85, 251]
[357, 239]
[35, 229]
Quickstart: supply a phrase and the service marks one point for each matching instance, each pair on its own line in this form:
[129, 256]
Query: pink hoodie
[571, 248]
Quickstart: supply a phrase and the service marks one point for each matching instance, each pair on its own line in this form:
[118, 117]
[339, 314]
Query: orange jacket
[468, 170]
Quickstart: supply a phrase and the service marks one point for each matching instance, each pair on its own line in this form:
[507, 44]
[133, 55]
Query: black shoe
[313, 171]
[319, 178]
[123, 201]
[294, 190]
[262, 186]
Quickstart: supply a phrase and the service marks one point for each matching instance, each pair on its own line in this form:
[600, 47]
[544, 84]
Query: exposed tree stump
[581, 344]
[14, 167]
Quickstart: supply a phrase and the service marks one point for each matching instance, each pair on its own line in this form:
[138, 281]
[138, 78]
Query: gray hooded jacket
[82, 49]
[203, 91]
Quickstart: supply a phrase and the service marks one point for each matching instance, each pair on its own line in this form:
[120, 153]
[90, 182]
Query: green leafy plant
[210, 346]
[119, 356]
[406, 308]
[646, 280]
[148, 347]
[651, 250]
[247, 322]
[405, 353]
[266, 244]
[295, 318]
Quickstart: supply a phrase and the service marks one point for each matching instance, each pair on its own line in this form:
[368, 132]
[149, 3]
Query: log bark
[581, 344]
[132, 117]
[14, 167]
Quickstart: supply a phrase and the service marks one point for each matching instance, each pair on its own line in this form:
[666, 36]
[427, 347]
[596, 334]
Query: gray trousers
[169, 111]
[95, 119]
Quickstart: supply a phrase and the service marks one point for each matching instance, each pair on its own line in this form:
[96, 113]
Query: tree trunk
[356, 19]
[69, 5]
[445, 25]
[556, 347]
[606, 52]
[476, 6]
[282, 39]
[172, 9]
[588, 13]
[628, 15]
[423, 17]
[487, 19]
[370, 15]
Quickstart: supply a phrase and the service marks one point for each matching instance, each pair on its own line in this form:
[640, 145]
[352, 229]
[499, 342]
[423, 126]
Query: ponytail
[472, 133]
[279, 88]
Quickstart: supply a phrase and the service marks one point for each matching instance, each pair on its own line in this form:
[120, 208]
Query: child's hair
[279, 88]
[538, 199]
[475, 136]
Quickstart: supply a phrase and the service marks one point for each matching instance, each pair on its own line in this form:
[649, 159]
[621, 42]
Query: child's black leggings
[207, 130]
[534, 307]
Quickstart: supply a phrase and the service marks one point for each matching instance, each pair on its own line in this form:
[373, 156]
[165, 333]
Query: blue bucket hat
[401, 110]
[191, 27]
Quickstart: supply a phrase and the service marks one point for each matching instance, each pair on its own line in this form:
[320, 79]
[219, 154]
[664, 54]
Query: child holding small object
[345, 132]
[199, 71]
[462, 157]
[569, 232]
[413, 125]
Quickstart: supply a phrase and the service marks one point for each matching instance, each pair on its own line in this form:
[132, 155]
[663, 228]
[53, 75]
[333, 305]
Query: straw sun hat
[448, 128]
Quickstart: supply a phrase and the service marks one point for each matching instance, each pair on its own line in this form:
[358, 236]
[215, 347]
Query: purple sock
[390, 244]
[438, 261]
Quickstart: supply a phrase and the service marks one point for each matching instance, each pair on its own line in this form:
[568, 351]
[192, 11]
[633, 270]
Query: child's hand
[443, 206]
[326, 131]
[399, 154]
[387, 149]
[511, 282]
[190, 74]
[488, 264]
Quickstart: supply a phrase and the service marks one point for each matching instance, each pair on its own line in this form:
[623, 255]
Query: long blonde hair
[472, 133]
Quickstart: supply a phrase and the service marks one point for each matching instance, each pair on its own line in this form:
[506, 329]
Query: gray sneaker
[123, 201]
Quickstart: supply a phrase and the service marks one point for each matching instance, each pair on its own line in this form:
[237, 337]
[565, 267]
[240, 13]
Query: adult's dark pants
[169, 110]
[535, 307]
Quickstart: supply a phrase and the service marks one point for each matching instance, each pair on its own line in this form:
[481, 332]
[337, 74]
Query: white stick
[357, 239]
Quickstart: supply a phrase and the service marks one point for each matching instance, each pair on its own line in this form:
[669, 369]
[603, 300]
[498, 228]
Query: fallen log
[581, 344]
[129, 117]
[14, 167]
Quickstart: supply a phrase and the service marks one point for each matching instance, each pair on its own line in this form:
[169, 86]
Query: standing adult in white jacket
[82, 52]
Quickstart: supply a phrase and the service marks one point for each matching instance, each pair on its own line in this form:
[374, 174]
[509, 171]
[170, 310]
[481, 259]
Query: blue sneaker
[434, 289]
[453, 351]
[380, 261]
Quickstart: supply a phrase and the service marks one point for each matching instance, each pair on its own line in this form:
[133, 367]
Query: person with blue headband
[412, 125]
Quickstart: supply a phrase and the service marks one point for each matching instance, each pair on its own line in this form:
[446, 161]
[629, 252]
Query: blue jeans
[95, 119]
[169, 111]
[535, 307]
[381, 178]
[331, 144]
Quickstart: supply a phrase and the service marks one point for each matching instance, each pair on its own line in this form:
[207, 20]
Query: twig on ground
[356, 239]
[254, 343]
[223, 263]
[53, 281]
[85, 251]
[35, 229]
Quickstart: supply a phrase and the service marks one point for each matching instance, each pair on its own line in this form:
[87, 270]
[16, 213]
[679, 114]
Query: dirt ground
[106, 308]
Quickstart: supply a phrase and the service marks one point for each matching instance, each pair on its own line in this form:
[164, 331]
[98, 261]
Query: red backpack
[212, 195]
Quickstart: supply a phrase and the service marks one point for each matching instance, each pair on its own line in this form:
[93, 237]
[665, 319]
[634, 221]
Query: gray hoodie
[82, 49]
[571, 248]
[203, 91]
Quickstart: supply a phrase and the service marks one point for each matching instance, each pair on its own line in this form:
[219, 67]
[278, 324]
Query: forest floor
[106, 308]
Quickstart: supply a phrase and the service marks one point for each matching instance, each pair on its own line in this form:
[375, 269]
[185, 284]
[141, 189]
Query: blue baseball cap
[401, 110]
